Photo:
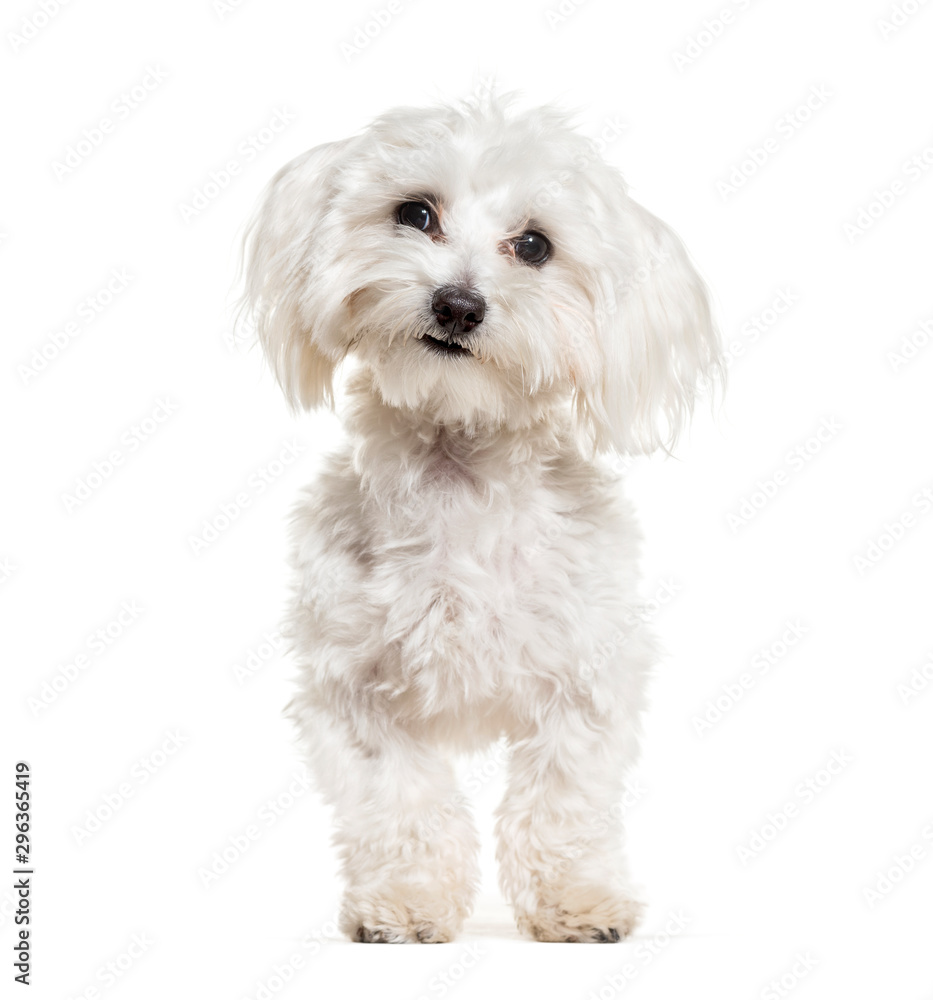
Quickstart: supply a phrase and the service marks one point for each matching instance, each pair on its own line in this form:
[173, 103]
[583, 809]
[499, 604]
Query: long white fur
[465, 567]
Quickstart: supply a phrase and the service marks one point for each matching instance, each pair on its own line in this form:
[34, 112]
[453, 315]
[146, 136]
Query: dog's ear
[656, 343]
[284, 277]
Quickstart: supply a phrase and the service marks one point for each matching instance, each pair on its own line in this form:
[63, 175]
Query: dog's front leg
[407, 841]
[560, 832]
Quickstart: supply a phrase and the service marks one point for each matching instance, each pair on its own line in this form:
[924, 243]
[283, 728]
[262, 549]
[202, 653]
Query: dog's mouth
[444, 346]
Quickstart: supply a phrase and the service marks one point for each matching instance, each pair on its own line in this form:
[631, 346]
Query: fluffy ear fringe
[657, 341]
[277, 260]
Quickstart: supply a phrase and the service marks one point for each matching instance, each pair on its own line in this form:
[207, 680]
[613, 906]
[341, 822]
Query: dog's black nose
[458, 309]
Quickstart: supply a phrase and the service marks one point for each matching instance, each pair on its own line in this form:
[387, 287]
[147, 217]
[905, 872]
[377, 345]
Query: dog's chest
[480, 578]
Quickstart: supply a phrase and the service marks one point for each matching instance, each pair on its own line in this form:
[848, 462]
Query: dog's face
[484, 267]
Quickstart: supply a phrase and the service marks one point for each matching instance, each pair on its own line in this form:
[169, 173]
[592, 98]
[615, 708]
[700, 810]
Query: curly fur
[465, 567]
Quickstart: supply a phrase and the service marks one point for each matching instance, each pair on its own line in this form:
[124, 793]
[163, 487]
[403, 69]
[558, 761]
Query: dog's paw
[586, 915]
[396, 915]
[409, 934]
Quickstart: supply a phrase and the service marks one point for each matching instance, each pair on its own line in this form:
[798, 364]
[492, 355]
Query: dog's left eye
[532, 248]
[417, 215]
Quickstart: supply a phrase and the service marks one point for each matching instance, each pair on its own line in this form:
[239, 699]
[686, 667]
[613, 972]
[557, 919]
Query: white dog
[465, 568]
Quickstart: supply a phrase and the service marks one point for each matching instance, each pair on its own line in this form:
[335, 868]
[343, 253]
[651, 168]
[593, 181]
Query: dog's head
[484, 266]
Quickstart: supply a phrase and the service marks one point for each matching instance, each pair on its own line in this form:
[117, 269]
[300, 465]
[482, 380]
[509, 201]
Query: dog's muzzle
[458, 311]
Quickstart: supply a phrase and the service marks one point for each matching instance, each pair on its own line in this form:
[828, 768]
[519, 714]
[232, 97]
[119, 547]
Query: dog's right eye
[417, 215]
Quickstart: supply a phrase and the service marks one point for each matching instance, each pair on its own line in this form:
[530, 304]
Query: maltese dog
[465, 569]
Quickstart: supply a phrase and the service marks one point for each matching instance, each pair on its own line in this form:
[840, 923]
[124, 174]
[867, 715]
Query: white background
[697, 103]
